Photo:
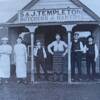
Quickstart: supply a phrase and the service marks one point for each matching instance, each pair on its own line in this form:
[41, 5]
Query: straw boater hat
[4, 39]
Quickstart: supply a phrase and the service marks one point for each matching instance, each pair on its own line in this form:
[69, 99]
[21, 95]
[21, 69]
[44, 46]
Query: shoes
[80, 79]
[6, 81]
[25, 82]
[47, 79]
[18, 82]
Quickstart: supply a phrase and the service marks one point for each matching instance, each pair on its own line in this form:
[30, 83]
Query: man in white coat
[5, 51]
[20, 58]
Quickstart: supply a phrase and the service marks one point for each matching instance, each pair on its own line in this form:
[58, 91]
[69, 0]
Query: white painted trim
[32, 31]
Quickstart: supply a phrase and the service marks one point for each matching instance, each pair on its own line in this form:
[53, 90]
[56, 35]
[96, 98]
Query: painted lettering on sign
[50, 15]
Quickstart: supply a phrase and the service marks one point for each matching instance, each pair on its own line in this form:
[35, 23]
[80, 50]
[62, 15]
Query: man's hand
[87, 49]
[77, 50]
[45, 57]
[95, 59]
[63, 54]
[52, 53]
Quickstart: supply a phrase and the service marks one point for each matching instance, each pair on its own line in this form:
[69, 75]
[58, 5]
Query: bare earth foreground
[49, 91]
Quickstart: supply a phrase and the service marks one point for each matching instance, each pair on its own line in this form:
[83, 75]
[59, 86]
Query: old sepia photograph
[49, 50]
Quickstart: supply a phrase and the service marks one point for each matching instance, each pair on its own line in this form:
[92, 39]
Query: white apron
[20, 60]
[5, 51]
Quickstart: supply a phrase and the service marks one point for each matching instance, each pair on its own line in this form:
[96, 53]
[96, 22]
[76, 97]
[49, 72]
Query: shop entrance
[46, 34]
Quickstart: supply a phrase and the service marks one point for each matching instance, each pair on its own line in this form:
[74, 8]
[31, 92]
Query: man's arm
[35, 51]
[66, 47]
[96, 52]
[44, 53]
[25, 53]
[81, 47]
[49, 48]
[8, 52]
[85, 49]
[14, 55]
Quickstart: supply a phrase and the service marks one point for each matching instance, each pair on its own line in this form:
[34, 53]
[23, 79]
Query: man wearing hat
[76, 55]
[58, 49]
[91, 57]
[5, 51]
[40, 57]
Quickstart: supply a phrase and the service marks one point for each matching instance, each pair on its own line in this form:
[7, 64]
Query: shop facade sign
[50, 15]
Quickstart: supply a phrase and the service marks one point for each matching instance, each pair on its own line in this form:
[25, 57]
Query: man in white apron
[20, 58]
[5, 51]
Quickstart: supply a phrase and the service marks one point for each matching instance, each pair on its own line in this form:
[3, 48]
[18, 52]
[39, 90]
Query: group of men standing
[58, 49]
[20, 60]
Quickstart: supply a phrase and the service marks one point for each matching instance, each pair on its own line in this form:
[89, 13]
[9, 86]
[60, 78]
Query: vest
[40, 53]
[91, 49]
[75, 46]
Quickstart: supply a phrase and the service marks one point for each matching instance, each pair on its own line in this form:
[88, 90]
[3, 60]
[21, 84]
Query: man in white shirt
[76, 55]
[58, 49]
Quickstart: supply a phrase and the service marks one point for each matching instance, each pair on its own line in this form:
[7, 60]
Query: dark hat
[20, 38]
[90, 37]
[76, 33]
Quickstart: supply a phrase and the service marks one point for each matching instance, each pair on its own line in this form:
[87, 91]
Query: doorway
[46, 34]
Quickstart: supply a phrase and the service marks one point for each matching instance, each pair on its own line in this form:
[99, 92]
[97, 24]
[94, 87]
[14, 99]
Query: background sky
[10, 7]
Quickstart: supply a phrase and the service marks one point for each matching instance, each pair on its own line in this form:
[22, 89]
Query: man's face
[76, 37]
[19, 40]
[90, 40]
[58, 37]
[4, 42]
[38, 44]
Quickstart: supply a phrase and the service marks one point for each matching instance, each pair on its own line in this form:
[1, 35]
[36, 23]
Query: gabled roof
[76, 2]
[86, 9]
[29, 5]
